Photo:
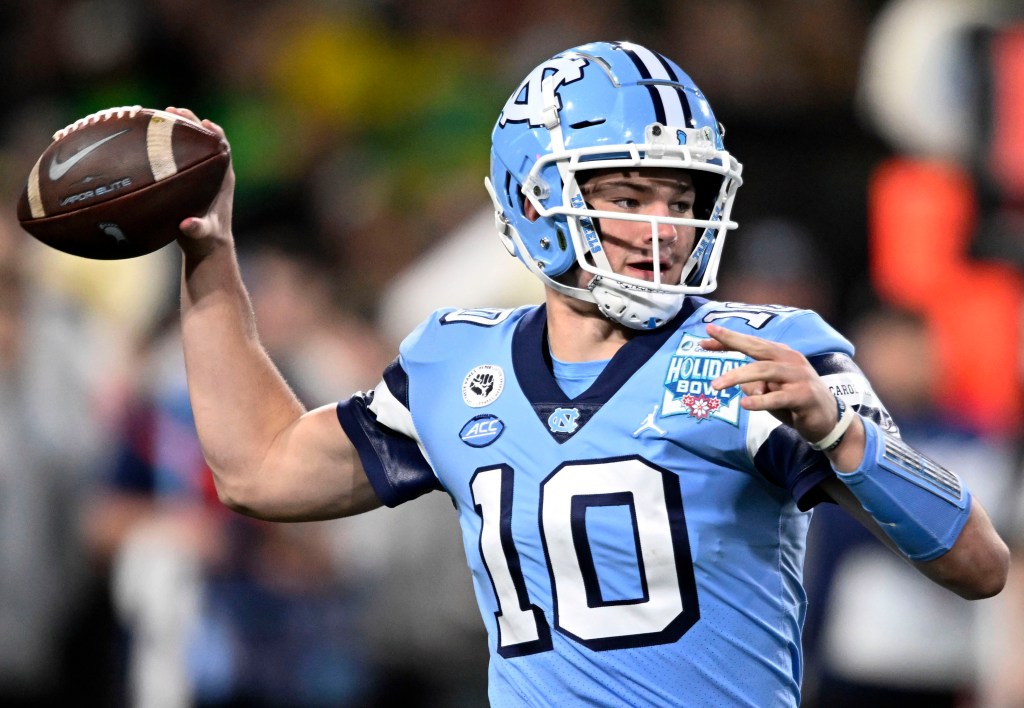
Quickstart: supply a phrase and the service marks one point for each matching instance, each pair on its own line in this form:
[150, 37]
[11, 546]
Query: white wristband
[832, 440]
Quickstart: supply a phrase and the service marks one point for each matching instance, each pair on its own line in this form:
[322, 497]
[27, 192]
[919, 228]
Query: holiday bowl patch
[688, 389]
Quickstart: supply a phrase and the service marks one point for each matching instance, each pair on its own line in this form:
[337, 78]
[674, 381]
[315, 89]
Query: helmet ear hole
[529, 210]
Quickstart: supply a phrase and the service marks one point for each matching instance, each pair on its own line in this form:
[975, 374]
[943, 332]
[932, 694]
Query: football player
[632, 464]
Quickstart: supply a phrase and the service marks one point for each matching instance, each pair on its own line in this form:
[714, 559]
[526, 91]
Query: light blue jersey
[639, 544]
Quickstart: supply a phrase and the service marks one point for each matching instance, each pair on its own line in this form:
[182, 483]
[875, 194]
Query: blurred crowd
[360, 135]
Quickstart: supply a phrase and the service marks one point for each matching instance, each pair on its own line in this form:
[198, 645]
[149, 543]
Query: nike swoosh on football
[59, 169]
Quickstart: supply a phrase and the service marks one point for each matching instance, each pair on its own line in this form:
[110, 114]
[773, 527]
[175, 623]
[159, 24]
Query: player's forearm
[920, 509]
[975, 567]
[979, 562]
[240, 401]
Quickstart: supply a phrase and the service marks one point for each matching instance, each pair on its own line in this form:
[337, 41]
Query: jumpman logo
[649, 424]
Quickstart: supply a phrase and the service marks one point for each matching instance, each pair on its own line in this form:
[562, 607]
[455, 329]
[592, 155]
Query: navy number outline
[668, 605]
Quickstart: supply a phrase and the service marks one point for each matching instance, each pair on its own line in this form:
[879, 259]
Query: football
[117, 183]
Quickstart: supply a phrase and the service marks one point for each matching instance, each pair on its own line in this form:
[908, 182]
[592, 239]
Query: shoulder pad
[450, 329]
[803, 330]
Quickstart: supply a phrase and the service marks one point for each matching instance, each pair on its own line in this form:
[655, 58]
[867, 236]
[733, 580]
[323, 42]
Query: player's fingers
[195, 227]
[210, 125]
[754, 389]
[183, 112]
[768, 400]
[754, 347]
[714, 345]
[753, 372]
[205, 122]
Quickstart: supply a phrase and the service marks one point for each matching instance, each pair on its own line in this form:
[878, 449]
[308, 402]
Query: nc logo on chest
[563, 420]
[687, 384]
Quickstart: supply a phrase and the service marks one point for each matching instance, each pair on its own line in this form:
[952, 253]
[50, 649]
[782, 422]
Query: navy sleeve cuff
[396, 468]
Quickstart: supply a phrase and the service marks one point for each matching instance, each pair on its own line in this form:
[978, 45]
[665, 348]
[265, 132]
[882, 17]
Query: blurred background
[883, 151]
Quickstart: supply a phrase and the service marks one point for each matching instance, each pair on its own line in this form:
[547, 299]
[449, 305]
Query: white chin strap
[632, 307]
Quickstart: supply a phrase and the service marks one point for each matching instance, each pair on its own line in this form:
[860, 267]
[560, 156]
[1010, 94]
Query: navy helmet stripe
[671, 106]
[680, 93]
[676, 108]
[645, 72]
[667, 66]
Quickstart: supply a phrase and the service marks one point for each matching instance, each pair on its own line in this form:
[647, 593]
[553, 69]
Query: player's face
[649, 192]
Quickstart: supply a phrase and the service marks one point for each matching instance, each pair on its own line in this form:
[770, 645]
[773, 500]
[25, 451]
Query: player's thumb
[198, 236]
[195, 227]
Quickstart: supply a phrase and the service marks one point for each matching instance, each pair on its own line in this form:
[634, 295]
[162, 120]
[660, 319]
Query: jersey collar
[531, 361]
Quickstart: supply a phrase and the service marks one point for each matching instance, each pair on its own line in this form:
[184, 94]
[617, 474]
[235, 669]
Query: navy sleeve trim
[833, 363]
[396, 468]
[787, 460]
[397, 381]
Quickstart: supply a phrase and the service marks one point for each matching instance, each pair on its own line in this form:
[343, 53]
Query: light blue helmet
[608, 105]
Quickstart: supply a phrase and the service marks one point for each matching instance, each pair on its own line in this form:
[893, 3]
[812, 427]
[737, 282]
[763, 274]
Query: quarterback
[633, 465]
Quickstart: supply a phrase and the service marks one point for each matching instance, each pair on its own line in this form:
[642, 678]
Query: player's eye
[625, 202]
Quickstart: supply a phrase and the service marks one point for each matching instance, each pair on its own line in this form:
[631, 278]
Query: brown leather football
[117, 183]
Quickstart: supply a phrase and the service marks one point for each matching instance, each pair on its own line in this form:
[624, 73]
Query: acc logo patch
[482, 385]
[688, 379]
[482, 430]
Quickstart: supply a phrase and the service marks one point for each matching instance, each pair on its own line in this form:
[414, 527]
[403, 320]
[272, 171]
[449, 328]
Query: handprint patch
[482, 385]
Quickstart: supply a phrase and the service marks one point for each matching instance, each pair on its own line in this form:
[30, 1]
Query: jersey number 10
[665, 606]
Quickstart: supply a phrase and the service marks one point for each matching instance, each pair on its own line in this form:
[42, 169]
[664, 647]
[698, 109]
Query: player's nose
[666, 233]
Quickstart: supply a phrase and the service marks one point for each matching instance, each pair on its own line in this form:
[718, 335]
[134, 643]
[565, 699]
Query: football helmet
[598, 106]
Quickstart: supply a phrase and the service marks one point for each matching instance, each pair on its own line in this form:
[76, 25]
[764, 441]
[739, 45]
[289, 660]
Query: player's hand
[203, 232]
[780, 380]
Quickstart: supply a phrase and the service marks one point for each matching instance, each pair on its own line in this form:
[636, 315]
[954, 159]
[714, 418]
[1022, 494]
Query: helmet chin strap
[632, 307]
[627, 305]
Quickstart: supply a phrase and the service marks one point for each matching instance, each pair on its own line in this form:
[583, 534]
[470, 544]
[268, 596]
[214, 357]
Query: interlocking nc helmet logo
[526, 105]
[563, 420]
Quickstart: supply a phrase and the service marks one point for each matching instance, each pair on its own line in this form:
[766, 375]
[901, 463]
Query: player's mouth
[644, 269]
